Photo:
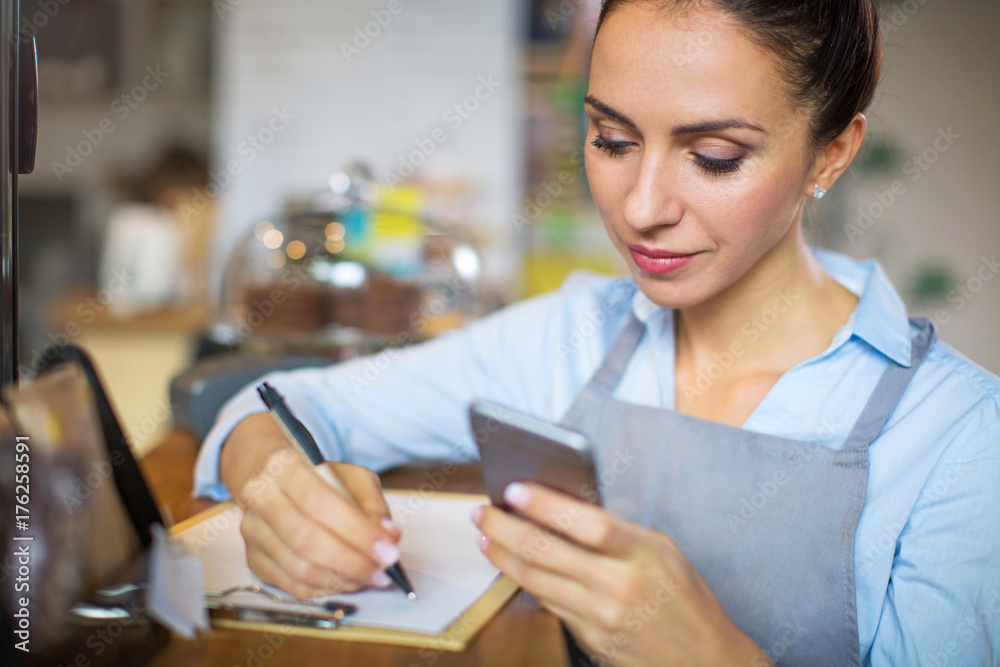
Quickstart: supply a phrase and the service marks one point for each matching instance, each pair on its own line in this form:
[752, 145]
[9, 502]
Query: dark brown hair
[828, 51]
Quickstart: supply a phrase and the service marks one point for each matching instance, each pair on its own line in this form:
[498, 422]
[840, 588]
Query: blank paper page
[439, 553]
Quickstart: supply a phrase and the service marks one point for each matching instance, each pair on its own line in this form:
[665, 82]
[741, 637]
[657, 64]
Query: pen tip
[411, 595]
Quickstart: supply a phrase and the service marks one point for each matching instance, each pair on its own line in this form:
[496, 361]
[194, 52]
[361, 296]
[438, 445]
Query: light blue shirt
[927, 550]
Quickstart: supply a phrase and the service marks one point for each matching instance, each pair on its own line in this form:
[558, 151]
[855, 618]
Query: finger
[609, 583]
[300, 568]
[391, 527]
[563, 613]
[366, 487]
[588, 618]
[585, 524]
[316, 498]
[538, 546]
[306, 549]
[276, 564]
[270, 572]
[551, 588]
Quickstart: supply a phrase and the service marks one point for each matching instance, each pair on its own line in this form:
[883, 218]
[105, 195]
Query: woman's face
[696, 158]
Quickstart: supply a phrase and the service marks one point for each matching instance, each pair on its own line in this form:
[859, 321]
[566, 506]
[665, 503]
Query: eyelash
[612, 148]
[718, 167]
[711, 166]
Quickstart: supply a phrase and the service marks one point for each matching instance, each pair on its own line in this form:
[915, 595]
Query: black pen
[300, 436]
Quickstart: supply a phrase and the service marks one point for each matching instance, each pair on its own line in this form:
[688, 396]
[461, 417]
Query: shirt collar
[879, 319]
[643, 308]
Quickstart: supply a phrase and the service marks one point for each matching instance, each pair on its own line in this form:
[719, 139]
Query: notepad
[439, 553]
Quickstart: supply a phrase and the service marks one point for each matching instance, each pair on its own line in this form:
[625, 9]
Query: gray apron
[768, 522]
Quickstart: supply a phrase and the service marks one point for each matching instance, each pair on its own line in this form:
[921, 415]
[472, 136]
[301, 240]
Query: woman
[792, 470]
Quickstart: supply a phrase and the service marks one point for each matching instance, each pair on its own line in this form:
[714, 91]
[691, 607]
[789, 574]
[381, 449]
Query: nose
[654, 199]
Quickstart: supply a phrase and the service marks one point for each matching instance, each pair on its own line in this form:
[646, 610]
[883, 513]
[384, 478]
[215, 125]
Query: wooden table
[522, 634]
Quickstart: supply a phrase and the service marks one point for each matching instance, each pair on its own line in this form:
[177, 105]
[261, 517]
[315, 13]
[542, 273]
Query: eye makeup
[718, 167]
[609, 146]
[710, 165]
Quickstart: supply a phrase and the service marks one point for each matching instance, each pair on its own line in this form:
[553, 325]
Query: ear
[834, 158]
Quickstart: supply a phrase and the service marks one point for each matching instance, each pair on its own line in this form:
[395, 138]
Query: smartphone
[515, 447]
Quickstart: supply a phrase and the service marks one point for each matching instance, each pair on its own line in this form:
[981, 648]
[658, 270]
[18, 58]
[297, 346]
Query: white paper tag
[175, 590]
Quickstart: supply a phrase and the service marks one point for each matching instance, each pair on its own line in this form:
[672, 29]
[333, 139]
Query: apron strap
[613, 367]
[890, 388]
[875, 414]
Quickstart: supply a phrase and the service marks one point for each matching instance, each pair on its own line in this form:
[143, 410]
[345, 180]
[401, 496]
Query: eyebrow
[717, 126]
[698, 128]
[608, 110]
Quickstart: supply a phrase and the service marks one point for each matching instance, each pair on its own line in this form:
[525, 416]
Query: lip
[658, 254]
[659, 262]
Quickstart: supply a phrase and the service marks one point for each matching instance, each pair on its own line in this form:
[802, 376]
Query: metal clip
[327, 615]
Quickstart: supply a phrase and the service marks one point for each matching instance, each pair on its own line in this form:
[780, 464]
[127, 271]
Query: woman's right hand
[302, 535]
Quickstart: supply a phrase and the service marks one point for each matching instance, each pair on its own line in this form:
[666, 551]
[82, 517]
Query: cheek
[597, 179]
[607, 186]
[755, 212]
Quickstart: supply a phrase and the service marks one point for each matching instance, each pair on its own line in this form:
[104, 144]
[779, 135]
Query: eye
[612, 148]
[717, 167]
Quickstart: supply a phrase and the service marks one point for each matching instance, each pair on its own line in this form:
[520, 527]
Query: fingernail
[482, 543]
[477, 514]
[387, 553]
[389, 524]
[516, 495]
[380, 579]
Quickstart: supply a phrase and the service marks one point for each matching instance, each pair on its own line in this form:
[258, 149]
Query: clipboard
[456, 637]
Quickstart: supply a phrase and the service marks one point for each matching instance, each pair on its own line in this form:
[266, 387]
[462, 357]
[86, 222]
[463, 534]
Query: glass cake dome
[360, 265]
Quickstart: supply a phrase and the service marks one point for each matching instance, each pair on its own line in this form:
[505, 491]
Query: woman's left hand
[627, 593]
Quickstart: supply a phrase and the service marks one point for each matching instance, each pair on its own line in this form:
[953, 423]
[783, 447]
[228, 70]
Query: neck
[785, 310]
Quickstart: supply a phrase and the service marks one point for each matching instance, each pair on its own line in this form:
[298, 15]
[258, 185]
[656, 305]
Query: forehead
[684, 67]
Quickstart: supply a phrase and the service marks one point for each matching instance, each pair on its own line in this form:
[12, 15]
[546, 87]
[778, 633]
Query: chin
[670, 293]
[685, 288]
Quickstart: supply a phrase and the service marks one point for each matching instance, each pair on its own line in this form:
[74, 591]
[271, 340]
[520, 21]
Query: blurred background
[217, 178]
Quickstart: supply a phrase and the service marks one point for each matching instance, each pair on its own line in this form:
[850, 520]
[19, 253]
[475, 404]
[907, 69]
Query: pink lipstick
[659, 262]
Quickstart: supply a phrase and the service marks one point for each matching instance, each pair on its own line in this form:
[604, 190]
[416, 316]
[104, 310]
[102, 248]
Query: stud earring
[818, 192]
